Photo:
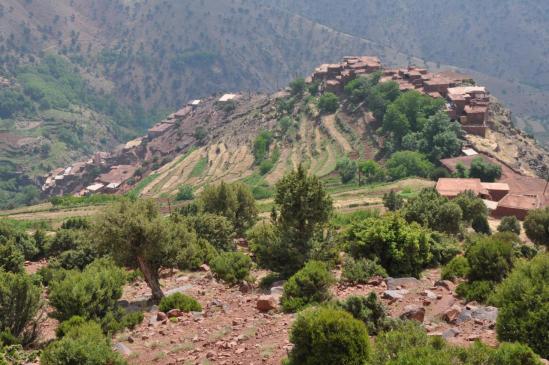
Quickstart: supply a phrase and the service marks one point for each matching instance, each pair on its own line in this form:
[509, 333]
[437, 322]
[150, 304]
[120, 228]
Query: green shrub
[328, 103]
[19, 304]
[490, 259]
[118, 319]
[90, 294]
[185, 192]
[52, 272]
[443, 249]
[265, 166]
[232, 267]
[75, 223]
[194, 254]
[536, 226]
[402, 248]
[479, 290]
[369, 310]
[68, 325]
[514, 354]
[523, 302]
[458, 267]
[509, 224]
[81, 344]
[11, 258]
[179, 301]
[407, 335]
[361, 270]
[216, 229]
[347, 169]
[480, 224]
[132, 319]
[310, 285]
[328, 336]
[392, 201]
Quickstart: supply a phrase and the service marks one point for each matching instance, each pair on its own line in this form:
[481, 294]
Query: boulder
[161, 316]
[446, 284]
[204, 268]
[375, 280]
[489, 314]
[277, 291]
[450, 333]
[398, 283]
[452, 313]
[174, 313]
[413, 312]
[266, 303]
[394, 294]
[429, 294]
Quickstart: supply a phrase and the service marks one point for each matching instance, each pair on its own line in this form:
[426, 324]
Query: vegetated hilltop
[502, 43]
[258, 138]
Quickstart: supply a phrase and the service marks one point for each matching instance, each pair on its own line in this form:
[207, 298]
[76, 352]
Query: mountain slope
[501, 43]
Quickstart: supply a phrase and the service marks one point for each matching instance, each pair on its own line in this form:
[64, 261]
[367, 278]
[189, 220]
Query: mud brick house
[513, 194]
[160, 128]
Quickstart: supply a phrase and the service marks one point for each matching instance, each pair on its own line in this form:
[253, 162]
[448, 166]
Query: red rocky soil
[231, 330]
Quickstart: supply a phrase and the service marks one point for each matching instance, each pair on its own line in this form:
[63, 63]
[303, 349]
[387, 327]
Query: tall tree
[137, 235]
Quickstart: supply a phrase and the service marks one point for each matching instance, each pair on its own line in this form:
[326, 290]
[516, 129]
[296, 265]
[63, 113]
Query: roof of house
[469, 152]
[228, 97]
[455, 186]
[495, 186]
[523, 202]
[161, 127]
[95, 187]
[462, 90]
[473, 109]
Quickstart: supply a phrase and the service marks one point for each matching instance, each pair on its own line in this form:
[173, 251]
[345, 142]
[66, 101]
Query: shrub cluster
[310, 285]
[359, 271]
[232, 267]
[179, 301]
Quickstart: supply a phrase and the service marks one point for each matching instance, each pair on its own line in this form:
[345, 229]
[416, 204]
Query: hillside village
[516, 192]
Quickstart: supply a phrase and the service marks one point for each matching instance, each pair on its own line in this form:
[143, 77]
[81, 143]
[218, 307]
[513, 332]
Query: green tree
[297, 87]
[138, 236]
[402, 248]
[484, 170]
[440, 137]
[408, 163]
[472, 207]
[232, 267]
[431, 209]
[392, 201]
[509, 224]
[328, 336]
[490, 259]
[536, 226]
[304, 208]
[184, 192]
[347, 169]
[371, 171]
[523, 302]
[396, 125]
[328, 103]
[216, 229]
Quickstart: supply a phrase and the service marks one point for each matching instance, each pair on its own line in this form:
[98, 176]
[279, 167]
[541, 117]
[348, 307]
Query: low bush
[179, 301]
[194, 254]
[11, 258]
[328, 336]
[443, 249]
[118, 319]
[361, 270]
[490, 259]
[328, 103]
[90, 294]
[184, 192]
[523, 302]
[509, 224]
[458, 267]
[232, 267]
[310, 285]
[81, 344]
[216, 229]
[369, 310]
[479, 290]
[19, 304]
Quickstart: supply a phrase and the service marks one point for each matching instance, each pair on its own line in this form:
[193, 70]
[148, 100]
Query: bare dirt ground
[231, 330]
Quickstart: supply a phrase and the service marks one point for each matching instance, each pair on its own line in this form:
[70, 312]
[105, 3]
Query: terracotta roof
[453, 187]
[495, 186]
[525, 202]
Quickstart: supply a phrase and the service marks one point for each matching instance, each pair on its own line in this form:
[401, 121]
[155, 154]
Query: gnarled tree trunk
[151, 278]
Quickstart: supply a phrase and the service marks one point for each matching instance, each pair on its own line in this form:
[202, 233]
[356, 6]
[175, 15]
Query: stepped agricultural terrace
[466, 102]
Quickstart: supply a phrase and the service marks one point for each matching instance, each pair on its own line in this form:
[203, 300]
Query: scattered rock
[473, 337]
[180, 289]
[174, 313]
[122, 349]
[394, 294]
[398, 283]
[161, 316]
[375, 280]
[413, 312]
[277, 291]
[452, 313]
[429, 294]
[446, 284]
[245, 287]
[450, 333]
[204, 268]
[464, 316]
[489, 314]
[266, 303]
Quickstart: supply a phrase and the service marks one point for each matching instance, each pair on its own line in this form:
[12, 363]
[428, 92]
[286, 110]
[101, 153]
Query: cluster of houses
[466, 103]
[512, 195]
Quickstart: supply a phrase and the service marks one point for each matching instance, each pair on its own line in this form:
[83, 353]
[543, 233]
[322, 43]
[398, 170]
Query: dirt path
[329, 122]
